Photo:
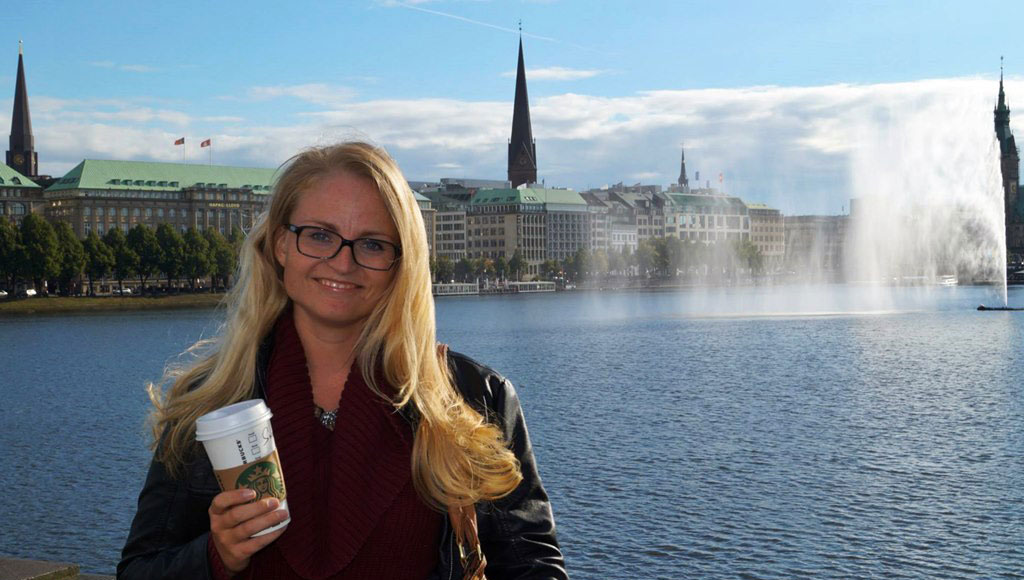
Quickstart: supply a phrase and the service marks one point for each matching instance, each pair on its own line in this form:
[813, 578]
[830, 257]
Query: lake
[779, 432]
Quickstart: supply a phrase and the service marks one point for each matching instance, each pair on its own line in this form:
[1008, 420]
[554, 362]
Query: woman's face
[336, 293]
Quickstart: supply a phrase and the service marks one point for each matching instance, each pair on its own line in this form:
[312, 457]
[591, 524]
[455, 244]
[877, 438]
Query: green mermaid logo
[263, 477]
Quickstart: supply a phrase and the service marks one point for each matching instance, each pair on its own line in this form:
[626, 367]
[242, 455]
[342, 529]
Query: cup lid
[227, 420]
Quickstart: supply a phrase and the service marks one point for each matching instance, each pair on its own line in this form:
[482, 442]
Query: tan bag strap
[463, 519]
[467, 538]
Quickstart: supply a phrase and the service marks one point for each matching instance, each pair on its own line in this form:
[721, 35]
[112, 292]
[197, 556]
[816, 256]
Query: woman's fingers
[226, 500]
[234, 521]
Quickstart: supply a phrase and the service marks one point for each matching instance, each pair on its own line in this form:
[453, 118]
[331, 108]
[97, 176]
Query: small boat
[948, 281]
[984, 308]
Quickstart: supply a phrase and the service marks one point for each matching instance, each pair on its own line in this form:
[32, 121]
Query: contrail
[489, 25]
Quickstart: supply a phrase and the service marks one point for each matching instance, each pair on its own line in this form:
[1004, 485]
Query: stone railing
[11, 569]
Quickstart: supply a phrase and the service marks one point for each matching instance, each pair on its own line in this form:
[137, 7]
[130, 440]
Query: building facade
[98, 195]
[815, 246]
[19, 195]
[768, 234]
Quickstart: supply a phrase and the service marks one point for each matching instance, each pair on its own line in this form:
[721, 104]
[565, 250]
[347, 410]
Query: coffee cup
[240, 444]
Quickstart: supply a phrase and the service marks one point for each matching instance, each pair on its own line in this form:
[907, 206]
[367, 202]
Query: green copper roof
[527, 195]
[689, 200]
[151, 176]
[758, 206]
[11, 178]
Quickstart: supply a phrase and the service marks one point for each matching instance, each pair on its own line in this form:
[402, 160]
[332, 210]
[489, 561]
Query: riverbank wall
[15, 569]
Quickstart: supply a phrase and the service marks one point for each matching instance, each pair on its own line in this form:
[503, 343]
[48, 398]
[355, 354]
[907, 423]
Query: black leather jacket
[169, 535]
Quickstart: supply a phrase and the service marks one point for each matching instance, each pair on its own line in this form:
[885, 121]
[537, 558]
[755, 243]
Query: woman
[384, 440]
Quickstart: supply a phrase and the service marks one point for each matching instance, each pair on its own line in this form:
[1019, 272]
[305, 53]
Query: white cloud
[797, 148]
[316, 93]
[555, 73]
[140, 68]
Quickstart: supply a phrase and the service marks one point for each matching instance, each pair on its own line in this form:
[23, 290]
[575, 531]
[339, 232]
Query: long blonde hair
[458, 459]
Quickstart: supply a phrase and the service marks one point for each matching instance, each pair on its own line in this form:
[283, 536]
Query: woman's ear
[280, 238]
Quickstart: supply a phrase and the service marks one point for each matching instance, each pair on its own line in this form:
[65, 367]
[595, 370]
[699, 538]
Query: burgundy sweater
[355, 513]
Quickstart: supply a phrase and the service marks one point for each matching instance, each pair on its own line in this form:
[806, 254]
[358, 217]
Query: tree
[125, 260]
[463, 268]
[143, 241]
[516, 265]
[444, 269]
[582, 264]
[236, 239]
[599, 261]
[197, 257]
[72, 257]
[616, 263]
[172, 252]
[39, 247]
[501, 267]
[99, 258]
[548, 269]
[10, 253]
[644, 257]
[222, 258]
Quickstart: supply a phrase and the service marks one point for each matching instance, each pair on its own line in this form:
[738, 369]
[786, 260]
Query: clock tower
[522, 150]
[22, 156]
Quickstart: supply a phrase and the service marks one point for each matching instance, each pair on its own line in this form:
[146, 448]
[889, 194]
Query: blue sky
[776, 97]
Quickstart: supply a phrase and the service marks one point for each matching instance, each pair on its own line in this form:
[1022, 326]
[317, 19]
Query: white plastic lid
[227, 420]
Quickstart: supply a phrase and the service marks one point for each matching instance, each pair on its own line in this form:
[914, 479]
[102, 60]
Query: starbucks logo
[263, 477]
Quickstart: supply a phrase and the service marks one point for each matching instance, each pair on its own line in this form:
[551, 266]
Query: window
[159, 212]
[87, 211]
[112, 212]
[135, 212]
[172, 213]
[124, 212]
[149, 212]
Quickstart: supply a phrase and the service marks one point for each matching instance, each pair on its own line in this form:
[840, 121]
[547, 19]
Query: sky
[773, 101]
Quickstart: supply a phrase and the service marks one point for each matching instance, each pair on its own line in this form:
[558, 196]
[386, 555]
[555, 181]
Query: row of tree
[51, 257]
[666, 257]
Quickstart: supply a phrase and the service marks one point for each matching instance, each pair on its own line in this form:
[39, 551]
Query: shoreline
[83, 304]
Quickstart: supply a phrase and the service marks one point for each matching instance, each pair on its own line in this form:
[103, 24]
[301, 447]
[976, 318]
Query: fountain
[929, 199]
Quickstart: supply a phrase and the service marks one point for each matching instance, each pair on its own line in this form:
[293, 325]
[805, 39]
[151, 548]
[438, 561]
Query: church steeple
[22, 156]
[1002, 111]
[522, 150]
[684, 183]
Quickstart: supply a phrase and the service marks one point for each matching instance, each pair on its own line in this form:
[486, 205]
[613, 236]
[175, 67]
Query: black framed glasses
[370, 253]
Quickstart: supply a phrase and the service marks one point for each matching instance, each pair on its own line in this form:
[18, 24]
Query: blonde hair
[457, 459]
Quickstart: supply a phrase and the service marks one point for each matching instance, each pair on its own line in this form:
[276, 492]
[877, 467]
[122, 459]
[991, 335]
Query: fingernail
[272, 503]
[249, 494]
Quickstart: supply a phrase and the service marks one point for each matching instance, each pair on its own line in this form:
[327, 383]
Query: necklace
[326, 418]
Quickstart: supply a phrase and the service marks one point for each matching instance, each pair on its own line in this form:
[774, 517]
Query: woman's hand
[233, 521]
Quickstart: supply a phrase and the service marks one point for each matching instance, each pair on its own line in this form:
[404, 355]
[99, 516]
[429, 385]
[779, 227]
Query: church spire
[1002, 113]
[22, 156]
[522, 150]
[684, 183]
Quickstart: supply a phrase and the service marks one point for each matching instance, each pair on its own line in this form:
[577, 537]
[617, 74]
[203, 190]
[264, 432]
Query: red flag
[205, 143]
[180, 141]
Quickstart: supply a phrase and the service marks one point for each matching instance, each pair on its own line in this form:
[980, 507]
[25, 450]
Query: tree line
[664, 257]
[50, 257]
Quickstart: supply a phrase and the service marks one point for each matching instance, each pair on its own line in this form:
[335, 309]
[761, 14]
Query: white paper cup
[240, 444]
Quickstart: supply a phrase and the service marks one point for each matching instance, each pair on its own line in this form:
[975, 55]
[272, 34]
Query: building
[768, 234]
[19, 195]
[98, 195]
[707, 218]
[500, 222]
[429, 215]
[522, 149]
[815, 246]
[1009, 162]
